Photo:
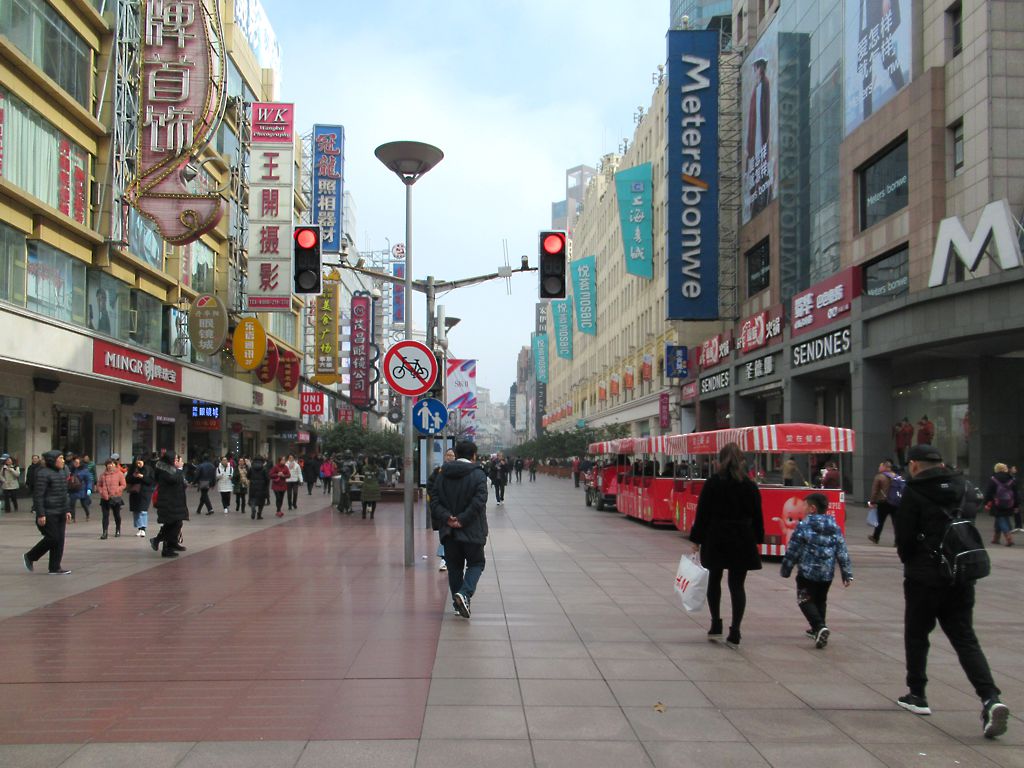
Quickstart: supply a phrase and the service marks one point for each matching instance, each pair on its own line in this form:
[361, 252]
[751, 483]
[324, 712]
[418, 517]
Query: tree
[561, 445]
[353, 438]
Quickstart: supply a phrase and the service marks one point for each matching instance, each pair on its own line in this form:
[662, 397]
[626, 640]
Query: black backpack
[960, 553]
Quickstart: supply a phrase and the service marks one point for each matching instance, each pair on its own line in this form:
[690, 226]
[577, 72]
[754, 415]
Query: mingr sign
[996, 226]
[692, 133]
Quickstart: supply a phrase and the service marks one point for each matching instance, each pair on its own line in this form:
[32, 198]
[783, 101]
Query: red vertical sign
[359, 384]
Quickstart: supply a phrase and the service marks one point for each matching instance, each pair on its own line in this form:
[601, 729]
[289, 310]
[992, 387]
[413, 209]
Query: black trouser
[204, 501]
[309, 486]
[369, 506]
[52, 541]
[11, 500]
[812, 597]
[519, 475]
[111, 505]
[278, 499]
[576, 479]
[257, 509]
[85, 506]
[885, 509]
[737, 594]
[293, 495]
[499, 491]
[953, 608]
[169, 535]
[328, 483]
[466, 563]
[225, 500]
[240, 495]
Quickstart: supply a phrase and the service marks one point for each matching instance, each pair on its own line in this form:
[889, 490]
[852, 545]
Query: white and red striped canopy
[773, 438]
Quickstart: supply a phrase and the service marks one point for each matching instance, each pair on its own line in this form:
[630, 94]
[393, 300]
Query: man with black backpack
[933, 592]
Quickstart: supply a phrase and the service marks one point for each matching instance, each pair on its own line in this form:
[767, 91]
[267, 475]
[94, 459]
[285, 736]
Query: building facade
[877, 265]
[96, 356]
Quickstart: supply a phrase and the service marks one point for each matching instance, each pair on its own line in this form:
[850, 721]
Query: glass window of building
[41, 160]
[49, 42]
[957, 131]
[146, 327]
[12, 265]
[108, 308]
[13, 422]
[945, 404]
[883, 186]
[758, 268]
[143, 240]
[889, 275]
[955, 22]
[201, 267]
[56, 284]
[282, 325]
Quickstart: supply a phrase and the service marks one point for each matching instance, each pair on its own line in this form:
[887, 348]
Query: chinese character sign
[328, 184]
[540, 357]
[561, 311]
[326, 330]
[271, 182]
[181, 91]
[584, 293]
[633, 191]
[360, 371]
[208, 324]
[249, 344]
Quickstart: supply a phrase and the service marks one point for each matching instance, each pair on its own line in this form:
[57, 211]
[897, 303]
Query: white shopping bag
[873, 517]
[691, 583]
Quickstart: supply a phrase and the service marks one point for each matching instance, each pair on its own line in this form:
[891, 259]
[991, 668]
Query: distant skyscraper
[565, 212]
[700, 13]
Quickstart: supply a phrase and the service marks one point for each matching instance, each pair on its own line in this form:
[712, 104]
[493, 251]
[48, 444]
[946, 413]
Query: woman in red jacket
[279, 475]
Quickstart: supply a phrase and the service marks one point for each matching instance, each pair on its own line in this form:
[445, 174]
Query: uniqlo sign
[312, 404]
[271, 184]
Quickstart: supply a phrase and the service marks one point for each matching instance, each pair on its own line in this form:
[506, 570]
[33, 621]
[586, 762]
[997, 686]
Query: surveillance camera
[526, 261]
[375, 294]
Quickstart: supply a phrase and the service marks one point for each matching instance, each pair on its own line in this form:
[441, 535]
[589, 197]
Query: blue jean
[1002, 524]
[141, 518]
[465, 566]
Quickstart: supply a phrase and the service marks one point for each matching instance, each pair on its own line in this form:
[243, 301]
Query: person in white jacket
[225, 480]
[294, 480]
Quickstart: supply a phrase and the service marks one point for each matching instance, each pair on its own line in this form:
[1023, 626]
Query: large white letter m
[996, 224]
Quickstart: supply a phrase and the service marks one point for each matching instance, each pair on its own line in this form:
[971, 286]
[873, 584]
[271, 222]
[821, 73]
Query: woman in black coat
[141, 482]
[171, 508]
[259, 488]
[727, 531]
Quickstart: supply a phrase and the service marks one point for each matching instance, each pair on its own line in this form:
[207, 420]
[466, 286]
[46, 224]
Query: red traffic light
[553, 242]
[305, 237]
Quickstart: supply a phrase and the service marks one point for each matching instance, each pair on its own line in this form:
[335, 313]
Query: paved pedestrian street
[305, 642]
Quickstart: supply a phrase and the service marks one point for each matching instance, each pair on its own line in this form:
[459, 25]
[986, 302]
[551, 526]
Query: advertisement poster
[759, 149]
[584, 293]
[561, 311]
[633, 192]
[540, 357]
[461, 384]
[877, 54]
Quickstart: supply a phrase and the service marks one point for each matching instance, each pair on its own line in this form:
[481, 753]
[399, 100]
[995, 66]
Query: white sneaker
[140, 533]
[226, 511]
[444, 566]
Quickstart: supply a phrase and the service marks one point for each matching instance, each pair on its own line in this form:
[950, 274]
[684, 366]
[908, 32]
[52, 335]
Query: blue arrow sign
[429, 416]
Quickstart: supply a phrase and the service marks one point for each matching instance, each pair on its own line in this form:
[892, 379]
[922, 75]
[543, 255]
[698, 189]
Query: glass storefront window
[41, 160]
[50, 43]
[109, 305]
[944, 402]
[883, 186]
[12, 265]
[142, 434]
[13, 419]
[147, 321]
[888, 276]
[56, 284]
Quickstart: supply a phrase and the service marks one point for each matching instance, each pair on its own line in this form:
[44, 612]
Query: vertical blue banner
[540, 357]
[398, 294]
[633, 191]
[561, 309]
[692, 139]
[328, 184]
[584, 293]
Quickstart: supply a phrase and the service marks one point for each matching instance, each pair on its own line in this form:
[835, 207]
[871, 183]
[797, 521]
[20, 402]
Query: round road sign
[410, 368]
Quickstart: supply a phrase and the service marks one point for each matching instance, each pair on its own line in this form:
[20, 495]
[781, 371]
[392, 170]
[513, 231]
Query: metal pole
[407, 469]
[428, 444]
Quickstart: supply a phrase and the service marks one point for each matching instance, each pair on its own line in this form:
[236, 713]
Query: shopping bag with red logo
[691, 583]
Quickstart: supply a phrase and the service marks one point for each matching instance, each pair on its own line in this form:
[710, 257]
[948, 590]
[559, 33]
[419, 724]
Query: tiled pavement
[305, 642]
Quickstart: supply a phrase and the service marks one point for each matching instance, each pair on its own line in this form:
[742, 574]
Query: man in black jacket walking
[50, 499]
[458, 508]
[920, 521]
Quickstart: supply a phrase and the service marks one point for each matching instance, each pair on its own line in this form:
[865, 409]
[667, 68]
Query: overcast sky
[514, 92]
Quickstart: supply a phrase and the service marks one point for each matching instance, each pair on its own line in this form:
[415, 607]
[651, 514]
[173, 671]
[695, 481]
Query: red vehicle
[694, 453]
[645, 490]
[601, 481]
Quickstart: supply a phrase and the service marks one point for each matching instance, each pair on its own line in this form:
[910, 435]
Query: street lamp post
[409, 160]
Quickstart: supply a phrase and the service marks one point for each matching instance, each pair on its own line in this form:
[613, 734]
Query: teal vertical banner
[633, 191]
[584, 293]
[561, 311]
[540, 357]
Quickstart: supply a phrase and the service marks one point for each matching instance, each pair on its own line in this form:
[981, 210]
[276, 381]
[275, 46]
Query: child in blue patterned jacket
[816, 545]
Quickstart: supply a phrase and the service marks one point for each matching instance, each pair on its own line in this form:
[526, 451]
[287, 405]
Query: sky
[514, 92]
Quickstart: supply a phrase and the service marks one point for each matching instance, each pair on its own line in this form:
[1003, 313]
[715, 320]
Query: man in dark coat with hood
[50, 499]
[920, 521]
[458, 508]
[171, 508]
[259, 488]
